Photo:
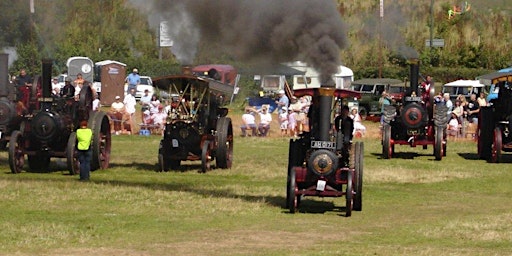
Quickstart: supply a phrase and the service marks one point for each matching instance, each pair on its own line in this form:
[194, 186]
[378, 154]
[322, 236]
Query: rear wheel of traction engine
[16, 155]
[101, 140]
[38, 163]
[485, 132]
[71, 155]
[496, 146]
[438, 143]
[349, 197]
[205, 157]
[290, 194]
[224, 152]
[163, 162]
[387, 148]
[358, 177]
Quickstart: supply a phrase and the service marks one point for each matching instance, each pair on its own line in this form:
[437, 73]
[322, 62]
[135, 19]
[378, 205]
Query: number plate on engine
[320, 185]
[323, 144]
[175, 143]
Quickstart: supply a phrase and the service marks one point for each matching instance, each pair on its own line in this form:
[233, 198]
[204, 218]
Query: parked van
[311, 78]
[464, 87]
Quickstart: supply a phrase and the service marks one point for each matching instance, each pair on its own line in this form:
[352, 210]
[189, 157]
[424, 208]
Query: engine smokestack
[46, 78]
[4, 74]
[325, 104]
[414, 75]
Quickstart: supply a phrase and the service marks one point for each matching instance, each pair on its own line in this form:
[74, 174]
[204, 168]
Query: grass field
[412, 205]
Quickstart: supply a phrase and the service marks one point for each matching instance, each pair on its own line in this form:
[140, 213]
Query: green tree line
[476, 42]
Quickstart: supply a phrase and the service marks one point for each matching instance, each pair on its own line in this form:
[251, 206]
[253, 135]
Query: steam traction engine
[10, 113]
[49, 130]
[197, 126]
[418, 121]
[495, 121]
[324, 162]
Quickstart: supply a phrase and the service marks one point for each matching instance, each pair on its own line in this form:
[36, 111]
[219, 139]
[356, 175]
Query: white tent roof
[106, 62]
[467, 83]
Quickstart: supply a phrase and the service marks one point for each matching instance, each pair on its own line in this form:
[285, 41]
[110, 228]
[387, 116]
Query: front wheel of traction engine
[163, 162]
[438, 143]
[358, 176]
[496, 146]
[206, 157]
[71, 154]
[224, 152]
[387, 148]
[349, 196]
[291, 198]
[16, 155]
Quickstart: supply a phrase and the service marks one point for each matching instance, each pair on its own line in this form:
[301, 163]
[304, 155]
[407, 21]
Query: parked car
[145, 84]
[371, 90]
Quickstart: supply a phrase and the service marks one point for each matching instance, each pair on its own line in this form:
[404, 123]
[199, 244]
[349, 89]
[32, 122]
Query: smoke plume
[277, 31]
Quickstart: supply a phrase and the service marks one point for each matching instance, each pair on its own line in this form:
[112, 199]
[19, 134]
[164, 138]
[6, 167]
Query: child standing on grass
[283, 121]
[292, 122]
[84, 139]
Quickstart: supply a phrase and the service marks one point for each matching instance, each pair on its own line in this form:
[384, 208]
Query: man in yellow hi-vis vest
[84, 140]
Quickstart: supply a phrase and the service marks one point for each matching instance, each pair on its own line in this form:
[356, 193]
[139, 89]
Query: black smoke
[272, 30]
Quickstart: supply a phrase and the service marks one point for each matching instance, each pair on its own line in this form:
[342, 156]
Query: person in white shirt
[145, 100]
[265, 120]
[358, 125]
[95, 102]
[159, 118]
[249, 122]
[129, 104]
[117, 110]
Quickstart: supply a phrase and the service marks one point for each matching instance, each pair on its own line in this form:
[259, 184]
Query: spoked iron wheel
[206, 159]
[349, 195]
[387, 148]
[292, 199]
[358, 177]
[496, 146]
[71, 154]
[224, 152]
[102, 140]
[16, 155]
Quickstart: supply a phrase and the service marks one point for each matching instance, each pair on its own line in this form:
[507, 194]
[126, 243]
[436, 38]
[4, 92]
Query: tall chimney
[46, 78]
[4, 74]
[325, 103]
[414, 75]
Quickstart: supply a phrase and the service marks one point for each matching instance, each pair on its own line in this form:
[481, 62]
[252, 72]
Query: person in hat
[133, 79]
[265, 120]
[68, 90]
[248, 122]
[116, 112]
[283, 121]
[283, 101]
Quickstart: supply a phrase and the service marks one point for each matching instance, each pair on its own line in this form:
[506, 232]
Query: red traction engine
[495, 121]
[325, 162]
[417, 121]
[49, 130]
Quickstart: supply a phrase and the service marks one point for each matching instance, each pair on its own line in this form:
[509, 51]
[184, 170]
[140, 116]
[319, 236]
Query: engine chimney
[414, 75]
[4, 75]
[325, 103]
[46, 78]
